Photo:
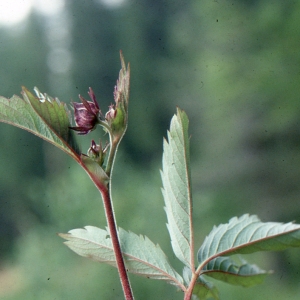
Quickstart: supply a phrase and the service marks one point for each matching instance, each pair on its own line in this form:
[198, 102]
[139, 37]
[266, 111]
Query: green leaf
[45, 117]
[227, 270]
[141, 256]
[176, 190]
[248, 234]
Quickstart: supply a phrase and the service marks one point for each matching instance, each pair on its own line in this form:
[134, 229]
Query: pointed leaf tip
[176, 190]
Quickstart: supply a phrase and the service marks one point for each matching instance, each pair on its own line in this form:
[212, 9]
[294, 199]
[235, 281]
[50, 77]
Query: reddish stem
[111, 222]
[189, 292]
[109, 212]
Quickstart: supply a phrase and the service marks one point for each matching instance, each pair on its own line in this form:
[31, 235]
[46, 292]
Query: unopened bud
[97, 152]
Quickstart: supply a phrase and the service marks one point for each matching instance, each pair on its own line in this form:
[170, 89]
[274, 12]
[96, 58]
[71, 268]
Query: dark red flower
[86, 114]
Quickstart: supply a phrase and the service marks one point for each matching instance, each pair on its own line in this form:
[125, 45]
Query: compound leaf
[176, 190]
[141, 256]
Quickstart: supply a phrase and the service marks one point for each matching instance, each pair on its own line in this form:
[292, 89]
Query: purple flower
[86, 114]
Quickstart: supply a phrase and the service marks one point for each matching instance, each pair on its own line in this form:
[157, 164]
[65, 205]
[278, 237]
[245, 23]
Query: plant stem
[104, 188]
[109, 212]
[189, 292]
[112, 154]
[114, 142]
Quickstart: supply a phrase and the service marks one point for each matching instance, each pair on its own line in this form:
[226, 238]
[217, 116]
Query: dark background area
[233, 66]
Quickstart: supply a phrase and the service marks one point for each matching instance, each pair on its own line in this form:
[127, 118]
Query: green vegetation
[231, 65]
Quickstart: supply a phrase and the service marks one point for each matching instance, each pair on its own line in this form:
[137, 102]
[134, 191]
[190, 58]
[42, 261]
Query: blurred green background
[233, 66]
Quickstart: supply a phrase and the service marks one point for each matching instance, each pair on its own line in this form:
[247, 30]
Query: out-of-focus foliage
[231, 65]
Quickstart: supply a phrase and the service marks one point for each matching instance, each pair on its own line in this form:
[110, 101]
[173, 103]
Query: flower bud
[117, 115]
[86, 114]
[111, 114]
[97, 153]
